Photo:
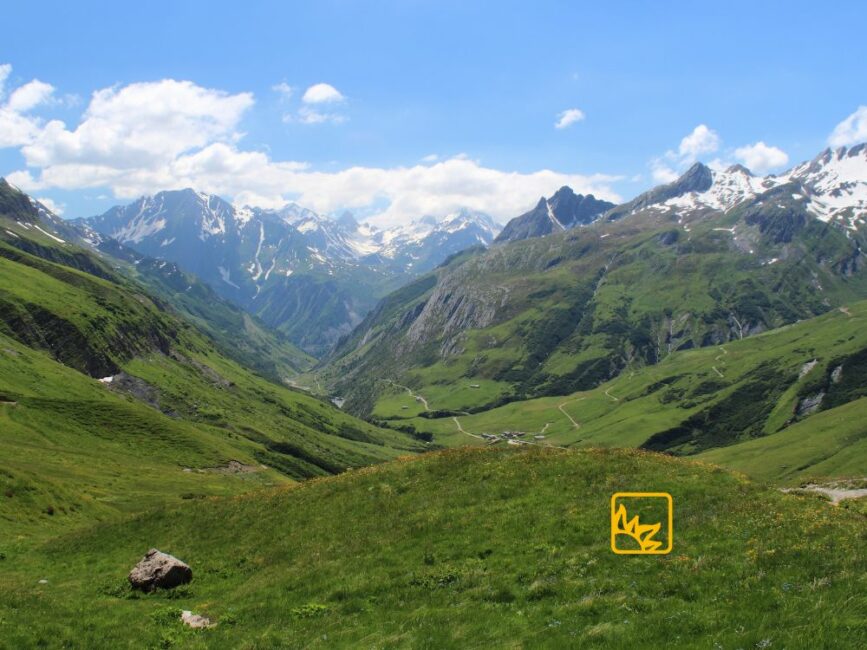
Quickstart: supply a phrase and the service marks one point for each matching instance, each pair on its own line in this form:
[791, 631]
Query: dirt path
[462, 430]
[714, 368]
[10, 403]
[845, 310]
[545, 428]
[563, 411]
[720, 356]
[615, 399]
[418, 398]
[834, 493]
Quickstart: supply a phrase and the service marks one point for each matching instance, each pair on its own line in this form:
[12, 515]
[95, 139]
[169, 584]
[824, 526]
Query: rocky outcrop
[564, 210]
[158, 570]
[454, 307]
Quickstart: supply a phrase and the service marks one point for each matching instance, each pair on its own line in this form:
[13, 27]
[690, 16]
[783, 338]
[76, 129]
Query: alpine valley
[410, 437]
[310, 277]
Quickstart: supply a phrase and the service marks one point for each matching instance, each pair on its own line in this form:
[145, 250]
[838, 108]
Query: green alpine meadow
[433, 326]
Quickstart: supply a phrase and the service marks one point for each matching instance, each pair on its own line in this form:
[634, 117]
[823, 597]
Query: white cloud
[569, 117]
[308, 115]
[702, 140]
[146, 137]
[16, 128]
[322, 93]
[760, 157]
[139, 126]
[5, 71]
[661, 172]
[852, 130]
[317, 107]
[284, 90]
[431, 157]
[54, 206]
[29, 96]
[668, 168]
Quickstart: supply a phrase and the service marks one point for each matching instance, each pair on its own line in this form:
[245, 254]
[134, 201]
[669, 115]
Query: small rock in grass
[43, 581]
[159, 570]
[195, 621]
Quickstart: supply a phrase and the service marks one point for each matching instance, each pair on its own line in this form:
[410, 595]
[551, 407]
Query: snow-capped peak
[729, 187]
[294, 214]
[836, 184]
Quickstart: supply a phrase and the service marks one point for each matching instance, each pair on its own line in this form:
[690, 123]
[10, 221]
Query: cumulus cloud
[760, 157]
[852, 130]
[318, 104]
[17, 128]
[51, 204]
[661, 172]
[569, 117]
[308, 115]
[701, 141]
[322, 93]
[284, 90]
[146, 137]
[29, 96]
[668, 167]
[128, 130]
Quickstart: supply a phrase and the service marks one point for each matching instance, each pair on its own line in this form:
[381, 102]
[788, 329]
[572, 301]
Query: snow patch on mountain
[227, 277]
[553, 217]
[833, 186]
[730, 187]
[836, 182]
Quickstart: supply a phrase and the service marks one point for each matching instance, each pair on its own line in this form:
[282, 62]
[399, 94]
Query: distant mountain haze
[309, 276]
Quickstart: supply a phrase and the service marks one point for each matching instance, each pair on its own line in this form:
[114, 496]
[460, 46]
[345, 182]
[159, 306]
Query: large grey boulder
[159, 570]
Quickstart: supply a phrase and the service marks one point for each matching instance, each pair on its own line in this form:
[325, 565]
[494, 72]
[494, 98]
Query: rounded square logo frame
[620, 524]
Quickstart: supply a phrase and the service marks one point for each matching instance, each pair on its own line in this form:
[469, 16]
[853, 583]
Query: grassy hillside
[74, 452]
[238, 334]
[29, 227]
[110, 401]
[468, 548]
[746, 397]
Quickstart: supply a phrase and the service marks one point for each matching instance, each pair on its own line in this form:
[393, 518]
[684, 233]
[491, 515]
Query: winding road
[577, 425]
[462, 430]
[418, 398]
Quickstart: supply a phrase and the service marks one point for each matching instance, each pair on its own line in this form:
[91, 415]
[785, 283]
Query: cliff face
[562, 211]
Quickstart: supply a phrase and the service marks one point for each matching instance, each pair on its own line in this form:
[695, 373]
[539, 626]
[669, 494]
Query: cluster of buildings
[511, 437]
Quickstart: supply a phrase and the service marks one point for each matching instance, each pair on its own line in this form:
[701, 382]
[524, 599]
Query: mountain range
[718, 317]
[714, 257]
[308, 276]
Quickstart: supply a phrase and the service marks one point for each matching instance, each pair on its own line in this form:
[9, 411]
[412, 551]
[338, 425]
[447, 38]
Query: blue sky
[478, 85]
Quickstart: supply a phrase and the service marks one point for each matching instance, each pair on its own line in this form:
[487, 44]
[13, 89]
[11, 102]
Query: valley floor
[719, 381]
